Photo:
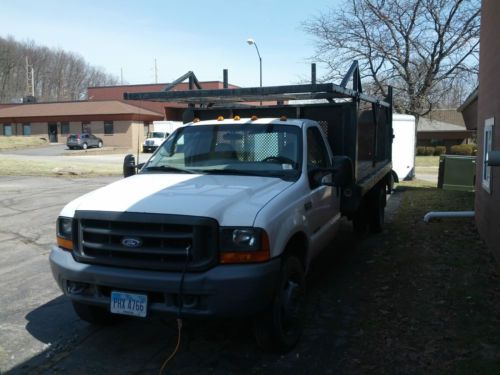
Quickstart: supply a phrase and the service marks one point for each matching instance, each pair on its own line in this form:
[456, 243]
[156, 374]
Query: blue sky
[202, 36]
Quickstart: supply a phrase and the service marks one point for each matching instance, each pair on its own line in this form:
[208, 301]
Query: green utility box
[457, 172]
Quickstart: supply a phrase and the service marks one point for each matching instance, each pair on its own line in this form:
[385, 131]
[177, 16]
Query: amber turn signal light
[64, 243]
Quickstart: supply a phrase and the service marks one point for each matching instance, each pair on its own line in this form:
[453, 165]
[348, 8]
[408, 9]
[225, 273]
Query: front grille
[150, 143]
[161, 241]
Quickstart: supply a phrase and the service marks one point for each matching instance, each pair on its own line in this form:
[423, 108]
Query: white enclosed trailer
[403, 146]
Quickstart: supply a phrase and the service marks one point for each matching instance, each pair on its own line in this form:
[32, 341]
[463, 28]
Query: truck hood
[231, 200]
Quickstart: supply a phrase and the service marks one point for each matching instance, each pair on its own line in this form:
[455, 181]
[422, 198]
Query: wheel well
[297, 245]
[395, 176]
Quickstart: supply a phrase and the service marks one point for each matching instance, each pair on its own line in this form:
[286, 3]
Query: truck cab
[154, 140]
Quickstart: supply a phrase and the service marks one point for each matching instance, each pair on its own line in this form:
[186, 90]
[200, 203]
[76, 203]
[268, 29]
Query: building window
[64, 127]
[86, 127]
[7, 130]
[488, 141]
[108, 128]
[26, 129]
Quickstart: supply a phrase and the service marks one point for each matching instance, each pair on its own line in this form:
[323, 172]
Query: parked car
[83, 141]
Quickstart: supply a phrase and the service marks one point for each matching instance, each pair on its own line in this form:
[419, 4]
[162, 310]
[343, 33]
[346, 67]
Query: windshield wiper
[168, 168]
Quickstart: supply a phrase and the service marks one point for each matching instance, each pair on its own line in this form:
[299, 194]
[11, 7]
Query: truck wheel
[377, 210]
[279, 327]
[359, 222]
[93, 314]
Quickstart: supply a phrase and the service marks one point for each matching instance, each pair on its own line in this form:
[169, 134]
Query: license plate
[129, 304]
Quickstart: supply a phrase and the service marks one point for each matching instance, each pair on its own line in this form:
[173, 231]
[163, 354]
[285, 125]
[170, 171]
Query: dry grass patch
[14, 142]
[11, 167]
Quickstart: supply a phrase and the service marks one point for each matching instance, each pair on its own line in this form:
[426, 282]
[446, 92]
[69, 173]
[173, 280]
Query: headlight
[243, 245]
[65, 227]
[65, 233]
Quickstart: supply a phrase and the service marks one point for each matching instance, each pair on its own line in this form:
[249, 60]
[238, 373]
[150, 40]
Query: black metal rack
[280, 94]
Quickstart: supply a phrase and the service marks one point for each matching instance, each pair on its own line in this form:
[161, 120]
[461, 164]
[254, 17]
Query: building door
[53, 133]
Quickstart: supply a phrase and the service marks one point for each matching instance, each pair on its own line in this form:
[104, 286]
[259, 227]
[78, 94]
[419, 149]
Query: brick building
[119, 122]
[443, 127]
[481, 111]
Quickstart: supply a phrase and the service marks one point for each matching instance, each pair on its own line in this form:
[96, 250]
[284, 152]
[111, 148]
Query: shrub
[429, 151]
[420, 150]
[467, 150]
[439, 150]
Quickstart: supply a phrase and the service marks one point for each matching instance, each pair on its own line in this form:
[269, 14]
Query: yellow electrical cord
[179, 328]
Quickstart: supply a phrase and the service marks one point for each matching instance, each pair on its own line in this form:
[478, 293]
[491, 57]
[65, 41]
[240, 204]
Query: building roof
[427, 125]
[450, 116]
[80, 108]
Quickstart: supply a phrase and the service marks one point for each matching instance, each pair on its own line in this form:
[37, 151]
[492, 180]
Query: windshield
[156, 135]
[248, 149]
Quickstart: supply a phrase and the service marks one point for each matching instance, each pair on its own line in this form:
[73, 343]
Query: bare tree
[59, 75]
[421, 47]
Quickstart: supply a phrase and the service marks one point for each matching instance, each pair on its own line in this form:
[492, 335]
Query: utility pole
[156, 72]
[30, 79]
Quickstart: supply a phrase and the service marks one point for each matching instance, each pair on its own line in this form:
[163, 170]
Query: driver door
[322, 209]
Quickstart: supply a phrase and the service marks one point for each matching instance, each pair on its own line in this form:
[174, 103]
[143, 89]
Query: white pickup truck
[223, 220]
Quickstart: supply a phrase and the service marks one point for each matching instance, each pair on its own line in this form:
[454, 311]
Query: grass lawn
[427, 161]
[432, 303]
[14, 142]
[10, 167]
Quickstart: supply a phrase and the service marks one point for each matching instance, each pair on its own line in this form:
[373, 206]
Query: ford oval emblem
[131, 242]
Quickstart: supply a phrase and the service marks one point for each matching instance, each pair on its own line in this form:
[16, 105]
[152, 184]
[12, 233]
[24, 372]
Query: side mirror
[129, 167]
[343, 175]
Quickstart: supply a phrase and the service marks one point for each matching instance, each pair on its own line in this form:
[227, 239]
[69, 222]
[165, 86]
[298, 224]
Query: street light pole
[250, 41]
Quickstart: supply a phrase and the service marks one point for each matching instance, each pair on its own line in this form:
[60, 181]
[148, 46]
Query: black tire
[84, 146]
[359, 222]
[93, 314]
[279, 328]
[377, 210]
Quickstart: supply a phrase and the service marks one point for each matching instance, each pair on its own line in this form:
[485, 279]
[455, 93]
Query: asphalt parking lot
[40, 333]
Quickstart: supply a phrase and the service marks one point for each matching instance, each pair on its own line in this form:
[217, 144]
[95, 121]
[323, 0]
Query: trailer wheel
[93, 314]
[377, 210]
[279, 327]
